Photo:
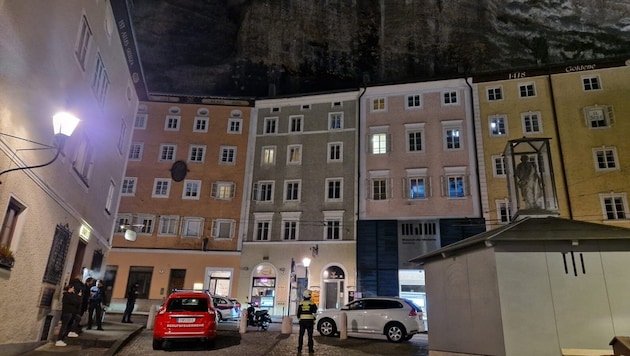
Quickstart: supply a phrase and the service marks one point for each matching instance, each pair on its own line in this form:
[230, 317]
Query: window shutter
[388, 144]
[405, 188]
[232, 190]
[232, 226]
[611, 116]
[213, 193]
[444, 186]
[586, 116]
[369, 146]
[389, 182]
[255, 192]
[427, 186]
[369, 190]
[467, 185]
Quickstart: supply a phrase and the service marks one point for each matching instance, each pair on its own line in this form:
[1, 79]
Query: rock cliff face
[277, 47]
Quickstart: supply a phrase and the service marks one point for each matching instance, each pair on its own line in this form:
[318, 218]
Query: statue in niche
[529, 182]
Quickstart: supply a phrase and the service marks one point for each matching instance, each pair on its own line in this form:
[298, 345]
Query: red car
[185, 315]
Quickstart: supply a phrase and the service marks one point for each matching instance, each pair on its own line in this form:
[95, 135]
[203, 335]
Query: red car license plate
[185, 320]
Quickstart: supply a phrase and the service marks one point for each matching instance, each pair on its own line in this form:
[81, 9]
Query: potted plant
[6, 257]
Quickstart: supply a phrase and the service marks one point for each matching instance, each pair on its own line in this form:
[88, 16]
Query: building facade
[180, 219]
[302, 202]
[58, 218]
[418, 189]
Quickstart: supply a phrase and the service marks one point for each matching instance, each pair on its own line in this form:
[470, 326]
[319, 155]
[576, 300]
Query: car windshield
[187, 304]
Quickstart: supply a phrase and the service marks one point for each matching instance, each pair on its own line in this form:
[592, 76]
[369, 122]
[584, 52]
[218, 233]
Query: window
[223, 228]
[379, 188]
[415, 137]
[141, 121]
[135, 151]
[168, 225]
[455, 182]
[200, 124]
[83, 42]
[413, 101]
[614, 206]
[531, 123]
[192, 227]
[333, 222]
[334, 189]
[276, 109]
[498, 125]
[379, 140]
[129, 186]
[495, 93]
[147, 222]
[292, 191]
[191, 189]
[605, 158]
[290, 225]
[223, 190]
[498, 166]
[122, 221]
[10, 221]
[526, 90]
[591, 83]
[263, 191]
[100, 81]
[378, 104]
[197, 153]
[336, 104]
[449, 98]
[295, 123]
[598, 116]
[270, 125]
[122, 136]
[167, 152]
[294, 154]
[161, 188]
[452, 134]
[111, 192]
[503, 211]
[268, 155]
[235, 126]
[417, 187]
[172, 123]
[228, 155]
[262, 230]
[84, 160]
[335, 121]
[335, 152]
[305, 107]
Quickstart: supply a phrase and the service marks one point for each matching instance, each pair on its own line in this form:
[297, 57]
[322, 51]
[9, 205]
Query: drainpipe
[474, 128]
[555, 122]
[359, 155]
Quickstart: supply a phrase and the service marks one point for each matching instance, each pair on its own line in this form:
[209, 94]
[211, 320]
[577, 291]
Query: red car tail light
[413, 312]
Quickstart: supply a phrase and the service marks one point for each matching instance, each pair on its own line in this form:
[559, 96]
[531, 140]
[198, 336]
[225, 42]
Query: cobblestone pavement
[273, 343]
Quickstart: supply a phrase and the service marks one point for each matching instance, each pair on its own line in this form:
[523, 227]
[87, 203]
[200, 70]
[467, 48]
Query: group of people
[79, 297]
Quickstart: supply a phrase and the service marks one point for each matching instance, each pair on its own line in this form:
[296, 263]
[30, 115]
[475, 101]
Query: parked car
[226, 308]
[397, 318]
[185, 315]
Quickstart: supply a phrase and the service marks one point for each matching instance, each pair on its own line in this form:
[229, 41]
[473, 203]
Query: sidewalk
[96, 342]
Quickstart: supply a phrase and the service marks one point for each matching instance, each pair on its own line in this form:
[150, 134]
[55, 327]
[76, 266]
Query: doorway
[334, 288]
[77, 268]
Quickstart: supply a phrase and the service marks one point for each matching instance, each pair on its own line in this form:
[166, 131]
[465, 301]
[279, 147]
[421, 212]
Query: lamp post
[63, 124]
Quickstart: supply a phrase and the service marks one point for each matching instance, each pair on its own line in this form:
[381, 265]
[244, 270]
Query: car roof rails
[207, 291]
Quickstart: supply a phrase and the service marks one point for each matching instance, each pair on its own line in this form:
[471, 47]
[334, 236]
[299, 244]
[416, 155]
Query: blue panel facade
[453, 230]
[377, 257]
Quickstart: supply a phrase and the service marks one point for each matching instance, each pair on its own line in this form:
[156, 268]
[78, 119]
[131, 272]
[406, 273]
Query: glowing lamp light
[130, 235]
[64, 123]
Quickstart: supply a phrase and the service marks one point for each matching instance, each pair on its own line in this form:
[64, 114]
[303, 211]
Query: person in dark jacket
[306, 314]
[85, 302]
[70, 306]
[132, 295]
[96, 305]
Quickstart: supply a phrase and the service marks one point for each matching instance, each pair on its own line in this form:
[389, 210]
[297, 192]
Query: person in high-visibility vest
[306, 314]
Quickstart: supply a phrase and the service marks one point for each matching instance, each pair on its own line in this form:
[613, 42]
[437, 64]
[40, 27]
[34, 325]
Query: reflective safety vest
[305, 310]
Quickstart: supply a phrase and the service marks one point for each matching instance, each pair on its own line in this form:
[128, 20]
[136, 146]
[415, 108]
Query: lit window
[498, 125]
[223, 190]
[417, 187]
[378, 104]
[268, 155]
[378, 143]
[294, 154]
[335, 121]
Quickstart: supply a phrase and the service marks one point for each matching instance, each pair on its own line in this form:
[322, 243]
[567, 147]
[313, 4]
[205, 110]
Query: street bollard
[343, 326]
[243, 325]
[287, 325]
[151, 319]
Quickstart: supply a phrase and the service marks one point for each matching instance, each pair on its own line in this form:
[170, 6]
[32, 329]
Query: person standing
[96, 305]
[132, 294]
[70, 306]
[85, 303]
[306, 315]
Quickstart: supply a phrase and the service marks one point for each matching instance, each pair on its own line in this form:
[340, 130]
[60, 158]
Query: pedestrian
[85, 302]
[306, 315]
[96, 305]
[132, 295]
[75, 323]
[70, 306]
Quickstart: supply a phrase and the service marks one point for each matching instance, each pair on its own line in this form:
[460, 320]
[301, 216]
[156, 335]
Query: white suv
[397, 318]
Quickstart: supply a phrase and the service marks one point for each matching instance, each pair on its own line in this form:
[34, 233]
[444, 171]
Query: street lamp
[307, 262]
[63, 125]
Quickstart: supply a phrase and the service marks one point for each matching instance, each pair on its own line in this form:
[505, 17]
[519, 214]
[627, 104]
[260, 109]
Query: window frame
[188, 193]
[378, 104]
[232, 122]
[330, 151]
[140, 122]
[415, 129]
[270, 126]
[606, 150]
[227, 155]
[532, 117]
[128, 182]
[296, 120]
[172, 122]
[293, 218]
[268, 192]
[498, 166]
[591, 83]
[201, 119]
[335, 120]
[615, 214]
[163, 156]
[190, 221]
[337, 197]
[498, 125]
[494, 93]
[333, 223]
[527, 90]
[264, 155]
[172, 227]
[296, 196]
[156, 182]
[133, 152]
[457, 140]
[83, 42]
[217, 228]
[413, 101]
[291, 159]
[263, 223]
[196, 157]
[223, 190]
[11, 222]
[504, 213]
[606, 120]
